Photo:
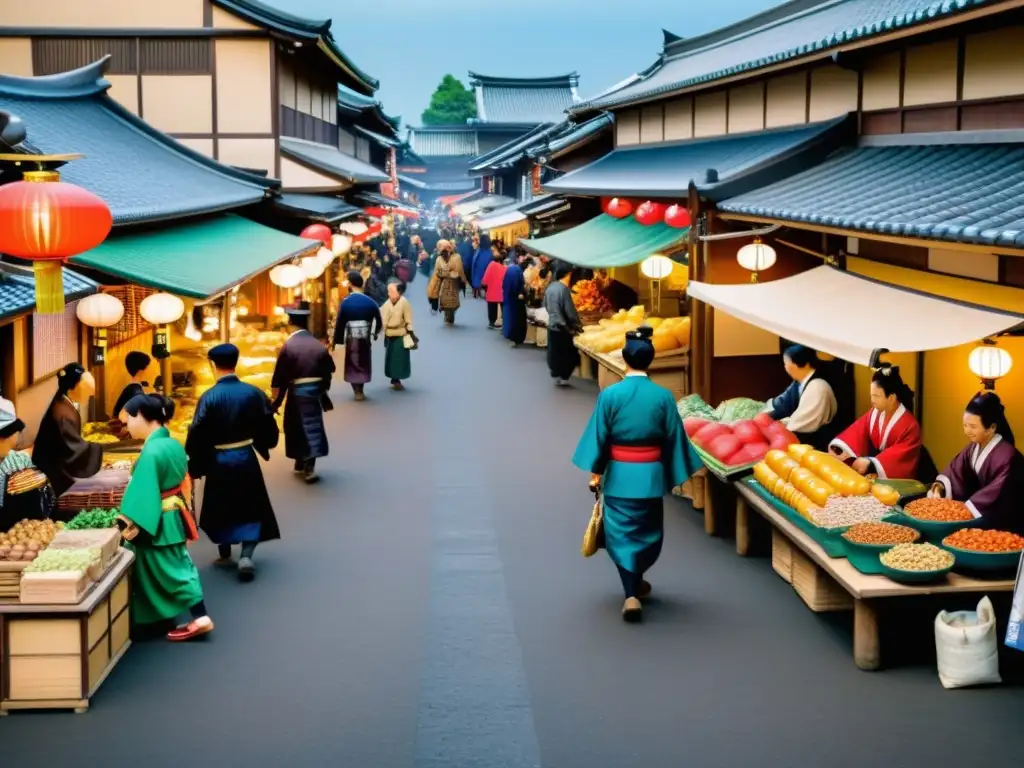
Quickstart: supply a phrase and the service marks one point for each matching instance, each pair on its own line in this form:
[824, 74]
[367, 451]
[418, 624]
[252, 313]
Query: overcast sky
[409, 45]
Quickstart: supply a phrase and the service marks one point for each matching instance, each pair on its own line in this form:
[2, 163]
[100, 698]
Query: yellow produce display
[788, 493]
[846, 481]
[608, 335]
[885, 494]
[799, 451]
[812, 486]
[782, 464]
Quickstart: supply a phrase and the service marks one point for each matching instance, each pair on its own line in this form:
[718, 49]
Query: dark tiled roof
[142, 174]
[444, 141]
[798, 28]
[367, 112]
[384, 141]
[316, 207]
[332, 161]
[523, 100]
[574, 136]
[508, 154]
[18, 290]
[720, 167]
[962, 193]
[541, 204]
[377, 199]
[276, 20]
[443, 186]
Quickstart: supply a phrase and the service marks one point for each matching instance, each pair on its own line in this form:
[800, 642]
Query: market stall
[64, 612]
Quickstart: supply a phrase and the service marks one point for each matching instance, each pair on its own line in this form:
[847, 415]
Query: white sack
[966, 647]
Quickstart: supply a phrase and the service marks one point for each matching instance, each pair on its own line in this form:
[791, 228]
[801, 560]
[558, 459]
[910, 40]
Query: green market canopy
[606, 242]
[198, 260]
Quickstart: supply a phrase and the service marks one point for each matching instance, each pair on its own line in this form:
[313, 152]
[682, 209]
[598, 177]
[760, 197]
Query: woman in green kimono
[636, 451]
[157, 523]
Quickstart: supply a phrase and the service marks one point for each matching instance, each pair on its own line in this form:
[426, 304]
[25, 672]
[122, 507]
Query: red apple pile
[744, 442]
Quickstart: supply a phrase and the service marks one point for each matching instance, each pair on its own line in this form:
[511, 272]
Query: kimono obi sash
[358, 329]
[636, 454]
[233, 446]
[173, 500]
[307, 380]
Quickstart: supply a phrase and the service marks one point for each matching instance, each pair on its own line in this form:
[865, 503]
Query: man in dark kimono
[233, 424]
[303, 376]
[513, 310]
[358, 318]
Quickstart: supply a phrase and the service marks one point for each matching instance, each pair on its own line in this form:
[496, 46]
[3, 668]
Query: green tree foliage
[452, 104]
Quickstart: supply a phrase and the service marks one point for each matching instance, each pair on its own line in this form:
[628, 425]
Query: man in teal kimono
[636, 451]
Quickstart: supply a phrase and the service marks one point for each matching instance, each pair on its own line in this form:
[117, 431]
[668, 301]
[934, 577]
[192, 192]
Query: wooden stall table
[833, 584]
[670, 370]
[57, 656]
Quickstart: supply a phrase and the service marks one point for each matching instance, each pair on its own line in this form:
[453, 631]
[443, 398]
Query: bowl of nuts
[937, 518]
[977, 549]
[916, 563]
[878, 537]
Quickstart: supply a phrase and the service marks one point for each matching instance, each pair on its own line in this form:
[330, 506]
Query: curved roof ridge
[75, 83]
[569, 79]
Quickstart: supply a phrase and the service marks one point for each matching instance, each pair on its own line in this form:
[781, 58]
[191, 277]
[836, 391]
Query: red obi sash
[183, 494]
[636, 454]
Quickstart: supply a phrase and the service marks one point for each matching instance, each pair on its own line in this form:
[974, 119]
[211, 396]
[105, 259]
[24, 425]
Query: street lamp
[99, 312]
[161, 310]
[989, 362]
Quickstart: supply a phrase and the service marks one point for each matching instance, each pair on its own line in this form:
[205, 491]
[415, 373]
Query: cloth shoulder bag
[592, 535]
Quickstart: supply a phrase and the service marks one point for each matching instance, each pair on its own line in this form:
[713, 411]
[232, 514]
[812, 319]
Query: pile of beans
[939, 511]
[841, 511]
[881, 533]
[917, 557]
[978, 540]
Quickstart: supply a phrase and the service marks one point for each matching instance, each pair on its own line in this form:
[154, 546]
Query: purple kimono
[990, 481]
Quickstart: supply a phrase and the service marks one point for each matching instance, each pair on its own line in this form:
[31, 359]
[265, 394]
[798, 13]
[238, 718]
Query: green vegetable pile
[93, 518]
[694, 405]
[64, 560]
[738, 409]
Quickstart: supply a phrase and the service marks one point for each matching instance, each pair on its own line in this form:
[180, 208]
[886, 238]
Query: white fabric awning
[466, 209]
[500, 218]
[849, 316]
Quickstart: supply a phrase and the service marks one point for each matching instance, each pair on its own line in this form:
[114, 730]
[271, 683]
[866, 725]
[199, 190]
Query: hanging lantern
[325, 255]
[605, 202]
[376, 210]
[656, 267]
[319, 232]
[619, 208]
[48, 221]
[99, 312]
[989, 362]
[312, 267]
[287, 276]
[161, 309]
[677, 216]
[756, 257]
[649, 212]
[353, 227]
[341, 244]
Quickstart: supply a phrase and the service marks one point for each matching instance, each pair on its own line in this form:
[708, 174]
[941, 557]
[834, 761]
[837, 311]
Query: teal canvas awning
[197, 260]
[607, 242]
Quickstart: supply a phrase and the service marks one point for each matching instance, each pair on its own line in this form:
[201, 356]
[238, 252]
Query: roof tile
[333, 161]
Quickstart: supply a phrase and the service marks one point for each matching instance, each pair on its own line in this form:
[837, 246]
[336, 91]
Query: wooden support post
[709, 507]
[866, 645]
[742, 527]
[225, 319]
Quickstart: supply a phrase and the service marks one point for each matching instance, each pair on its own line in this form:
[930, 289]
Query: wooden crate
[818, 590]
[782, 556]
[57, 656]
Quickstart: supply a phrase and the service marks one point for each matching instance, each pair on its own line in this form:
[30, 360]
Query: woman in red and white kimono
[988, 475]
[886, 440]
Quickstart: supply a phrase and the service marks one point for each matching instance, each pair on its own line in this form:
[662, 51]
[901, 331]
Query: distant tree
[452, 103]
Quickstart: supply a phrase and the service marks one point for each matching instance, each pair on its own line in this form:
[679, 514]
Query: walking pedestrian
[513, 308]
[563, 325]
[156, 524]
[232, 428]
[491, 283]
[451, 280]
[358, 319]
[399, 337]
[302, 379]
[636, 451]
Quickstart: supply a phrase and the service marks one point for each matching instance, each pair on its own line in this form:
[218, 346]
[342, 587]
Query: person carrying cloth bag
[399, 337]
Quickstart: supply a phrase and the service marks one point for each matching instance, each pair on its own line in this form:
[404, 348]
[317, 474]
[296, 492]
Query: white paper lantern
[989, 362]
[326, 255]
[162, 309]
[756, 257]
[101, 310]
[312, 267]
[354, 227]
[341, 244]
[656, 267]
[287, 276]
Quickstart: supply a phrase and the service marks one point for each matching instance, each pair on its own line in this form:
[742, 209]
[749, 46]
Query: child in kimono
[636, 451]
[988, 475]
[886, 440]
[156, 523]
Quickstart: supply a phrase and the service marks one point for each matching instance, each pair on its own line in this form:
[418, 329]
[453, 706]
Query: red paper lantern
[605, 201]
[377, 211]
[47, 220]
[649, 212]
[319, 232]
[677, 216]
[619, 208]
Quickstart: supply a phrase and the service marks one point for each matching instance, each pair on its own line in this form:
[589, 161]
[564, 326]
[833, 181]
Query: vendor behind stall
[60, 451]
[137, 364]
[885, 441]
[988, 475]
[808, 406]
[24, 490]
